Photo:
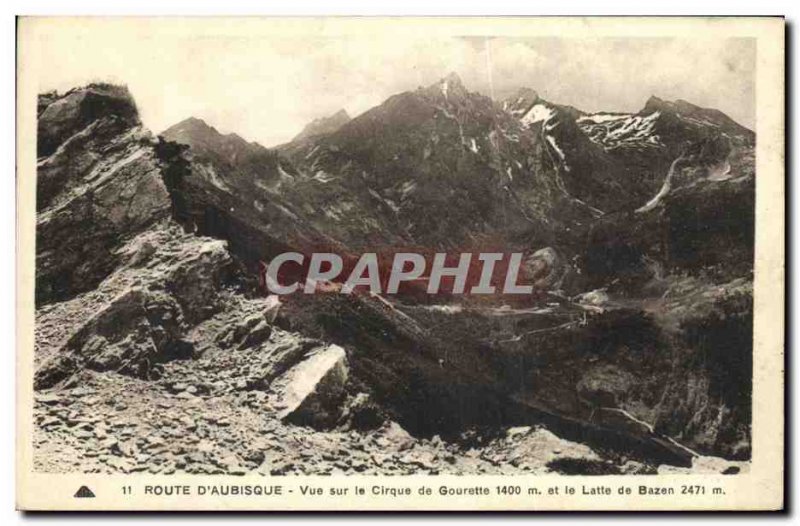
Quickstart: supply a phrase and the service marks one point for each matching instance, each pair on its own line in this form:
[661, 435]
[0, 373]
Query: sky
[266, 88]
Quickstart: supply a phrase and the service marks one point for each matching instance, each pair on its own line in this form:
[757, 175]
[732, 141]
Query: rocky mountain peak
[681, 106]
[451, 86]
[191, 129]
[83, 133]
[678, 106]
[703, 117]
[654, 103]
[453, 79]
[61, 116]
[521, 101]
[206, 140]
[324, 125]
[194, 122]
[526, 94]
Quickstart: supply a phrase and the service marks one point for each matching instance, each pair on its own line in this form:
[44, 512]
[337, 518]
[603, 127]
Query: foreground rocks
[117, 424]
[139, 316]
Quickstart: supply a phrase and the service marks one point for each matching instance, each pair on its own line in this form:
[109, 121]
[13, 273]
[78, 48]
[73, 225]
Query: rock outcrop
[98, 185]
[61, 117]
[140, 315]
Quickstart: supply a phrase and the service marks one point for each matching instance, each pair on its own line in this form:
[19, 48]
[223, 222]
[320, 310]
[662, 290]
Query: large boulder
[311, 392]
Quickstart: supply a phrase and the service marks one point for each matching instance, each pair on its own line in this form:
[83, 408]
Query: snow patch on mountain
[538, 113]
[599, 118]
[559, 151]
[621, 130]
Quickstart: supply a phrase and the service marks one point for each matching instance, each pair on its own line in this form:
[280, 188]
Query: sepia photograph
[401, 248]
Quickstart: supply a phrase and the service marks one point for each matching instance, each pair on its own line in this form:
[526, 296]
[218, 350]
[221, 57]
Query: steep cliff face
[98, 184]
[707, 401]
[585, 173]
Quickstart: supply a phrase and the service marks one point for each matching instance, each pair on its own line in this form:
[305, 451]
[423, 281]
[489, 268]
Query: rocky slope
[637, 230]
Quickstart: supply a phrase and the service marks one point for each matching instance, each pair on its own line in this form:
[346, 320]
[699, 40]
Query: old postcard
[400, 264]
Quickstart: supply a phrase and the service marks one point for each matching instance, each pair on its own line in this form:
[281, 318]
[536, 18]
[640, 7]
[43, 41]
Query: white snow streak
[539, 112]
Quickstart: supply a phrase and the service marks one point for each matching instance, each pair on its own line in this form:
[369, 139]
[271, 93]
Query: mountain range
[442, 167]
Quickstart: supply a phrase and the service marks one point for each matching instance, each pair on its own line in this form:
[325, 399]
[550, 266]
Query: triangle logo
[84, 493]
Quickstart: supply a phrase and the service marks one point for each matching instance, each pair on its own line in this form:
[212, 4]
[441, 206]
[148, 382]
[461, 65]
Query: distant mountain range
[445, 167]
